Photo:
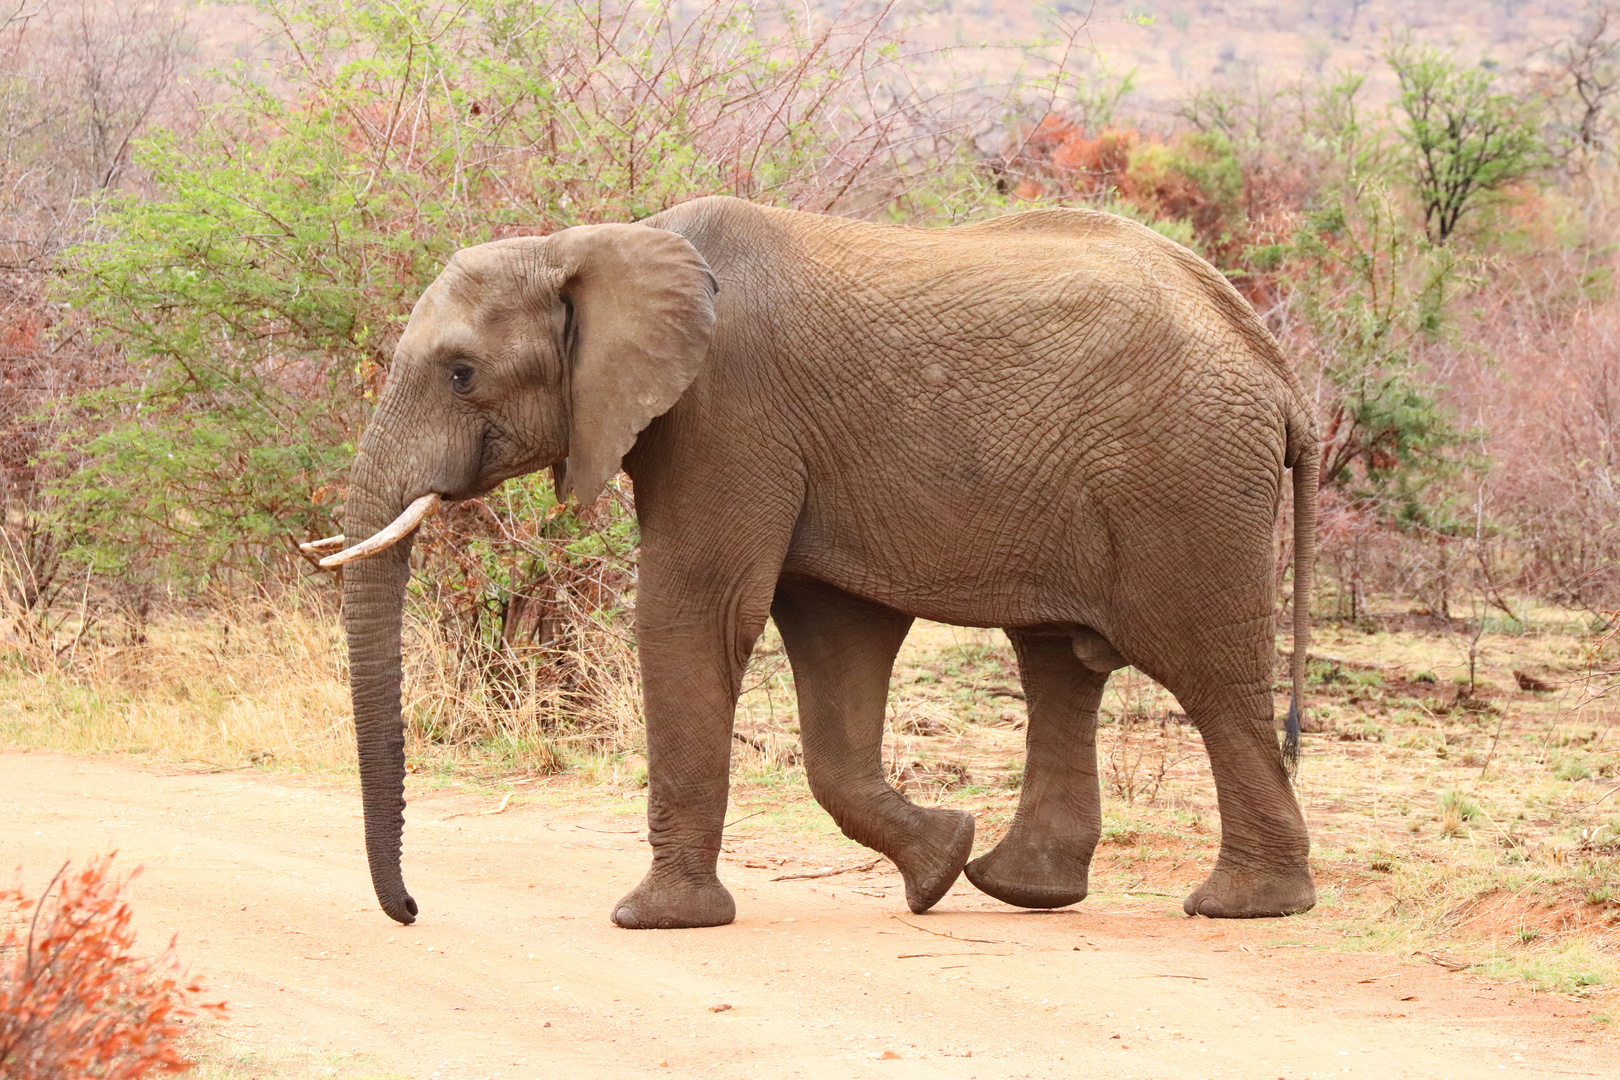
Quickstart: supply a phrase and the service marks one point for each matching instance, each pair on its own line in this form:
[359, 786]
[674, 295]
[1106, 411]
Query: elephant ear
[643, 303]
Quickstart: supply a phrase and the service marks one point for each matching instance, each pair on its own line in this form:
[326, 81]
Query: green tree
[1371, 294]
[1463, 138]
[1371, 289]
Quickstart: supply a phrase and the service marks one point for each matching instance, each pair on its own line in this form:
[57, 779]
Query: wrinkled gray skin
[1058, 423]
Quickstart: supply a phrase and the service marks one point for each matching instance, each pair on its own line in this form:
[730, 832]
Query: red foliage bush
[1196, 177]
[74, 1002]
[1057, 158]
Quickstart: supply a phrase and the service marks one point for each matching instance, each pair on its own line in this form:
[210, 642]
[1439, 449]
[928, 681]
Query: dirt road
[515, 971]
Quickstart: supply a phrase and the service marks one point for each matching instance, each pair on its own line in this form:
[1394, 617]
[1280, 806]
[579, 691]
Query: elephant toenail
[1210, 908]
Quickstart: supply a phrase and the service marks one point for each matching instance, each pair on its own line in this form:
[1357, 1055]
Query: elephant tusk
[323, 545]
[416, 513]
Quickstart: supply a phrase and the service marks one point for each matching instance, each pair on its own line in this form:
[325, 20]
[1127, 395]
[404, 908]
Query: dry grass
[254, 686]
[262, 684]
[531, 708]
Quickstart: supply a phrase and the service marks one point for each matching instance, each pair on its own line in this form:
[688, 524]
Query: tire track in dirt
[514, 970]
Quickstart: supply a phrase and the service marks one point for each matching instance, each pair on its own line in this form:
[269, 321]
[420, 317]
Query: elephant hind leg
[1045, 858]
[1263, 870]
[842, 651]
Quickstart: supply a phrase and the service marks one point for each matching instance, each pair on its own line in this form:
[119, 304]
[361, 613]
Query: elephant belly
[1097, 536]
[960, 567]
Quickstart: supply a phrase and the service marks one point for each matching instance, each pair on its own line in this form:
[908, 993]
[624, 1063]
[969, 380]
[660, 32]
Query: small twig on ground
[1004, 691]
[830, 873]
[629, 832]
[1505, 834]
[1600, 798]
[1495, 735]
[1450, 963]
[918, 955]
[953, 937]
[1342, 661]
[789, 756]
[1200, 978]
[501, 809]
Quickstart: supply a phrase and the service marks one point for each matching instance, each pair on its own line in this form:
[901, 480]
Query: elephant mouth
[412, 516]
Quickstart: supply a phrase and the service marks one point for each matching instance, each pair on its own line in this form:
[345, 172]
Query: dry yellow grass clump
[253, 685]
[263, 684]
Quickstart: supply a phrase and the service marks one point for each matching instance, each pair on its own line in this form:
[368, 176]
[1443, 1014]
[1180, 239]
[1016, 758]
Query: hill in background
[1176, 49]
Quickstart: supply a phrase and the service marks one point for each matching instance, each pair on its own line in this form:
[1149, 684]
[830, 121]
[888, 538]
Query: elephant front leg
[1045, 858]
[694, 644]
[842, 651]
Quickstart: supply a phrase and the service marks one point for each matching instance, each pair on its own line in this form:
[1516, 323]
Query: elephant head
[525, 353]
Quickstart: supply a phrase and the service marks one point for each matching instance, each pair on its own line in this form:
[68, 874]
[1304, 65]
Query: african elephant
[1056, 422]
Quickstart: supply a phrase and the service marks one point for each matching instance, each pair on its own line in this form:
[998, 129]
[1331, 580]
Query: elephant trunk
[373, 605]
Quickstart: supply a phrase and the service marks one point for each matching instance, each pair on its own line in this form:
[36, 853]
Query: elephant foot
[675, 903]
[930, 865]
[1252, 894]
[1030, 876]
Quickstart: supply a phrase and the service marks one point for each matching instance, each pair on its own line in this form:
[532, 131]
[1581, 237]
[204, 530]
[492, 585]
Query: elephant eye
[461, 378]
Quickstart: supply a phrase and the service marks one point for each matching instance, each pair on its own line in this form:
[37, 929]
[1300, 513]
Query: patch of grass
[1572, 767]
[1325, 673]
[222, 1053]
[264, 686]
[1575, 967]
[1456, 808]
[1120, 834]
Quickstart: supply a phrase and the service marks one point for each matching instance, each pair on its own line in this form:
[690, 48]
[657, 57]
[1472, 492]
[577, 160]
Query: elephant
[1056, 422]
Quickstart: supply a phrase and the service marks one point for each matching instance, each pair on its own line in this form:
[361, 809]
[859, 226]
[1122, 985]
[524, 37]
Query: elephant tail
[1306, 463]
